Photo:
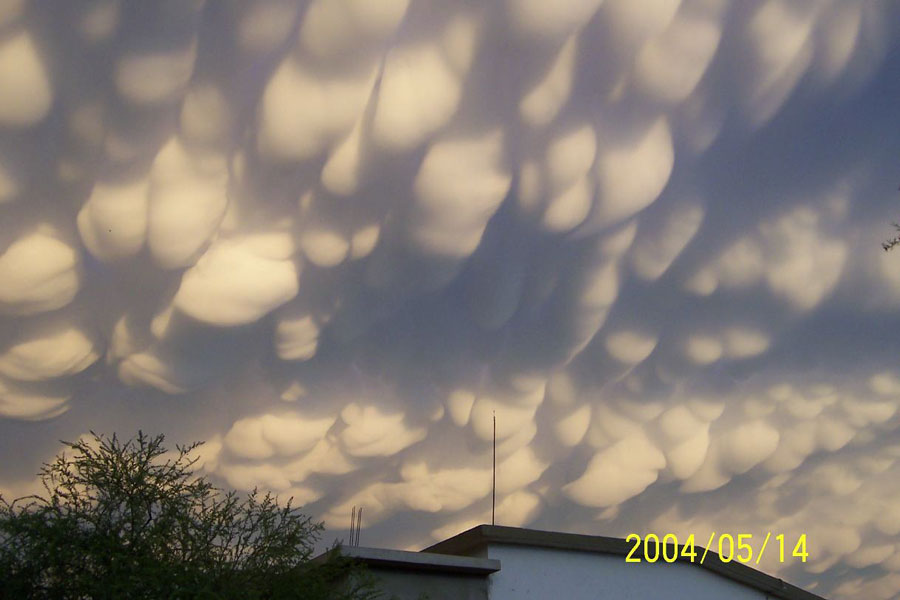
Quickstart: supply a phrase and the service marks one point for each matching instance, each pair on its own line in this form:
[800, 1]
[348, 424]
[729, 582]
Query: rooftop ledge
[420, 561]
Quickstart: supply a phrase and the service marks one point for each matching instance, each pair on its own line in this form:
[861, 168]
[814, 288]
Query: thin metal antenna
[352, 523]
[358, 524]
[494, 471]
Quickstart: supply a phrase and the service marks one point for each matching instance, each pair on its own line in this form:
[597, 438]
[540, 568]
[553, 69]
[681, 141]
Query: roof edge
[417, 561]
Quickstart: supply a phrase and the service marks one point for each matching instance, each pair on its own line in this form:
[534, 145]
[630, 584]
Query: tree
[130, 520]
[894, 241]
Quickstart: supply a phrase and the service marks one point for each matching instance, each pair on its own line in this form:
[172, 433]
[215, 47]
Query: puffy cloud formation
[40, 273]
[335, 238]
[24, 74]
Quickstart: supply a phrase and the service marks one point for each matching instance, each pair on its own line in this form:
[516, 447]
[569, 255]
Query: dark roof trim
[482, 535]
[419, 561]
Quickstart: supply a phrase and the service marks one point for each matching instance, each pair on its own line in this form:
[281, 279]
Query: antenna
[494, 471]
[352, 523]
[358, 524]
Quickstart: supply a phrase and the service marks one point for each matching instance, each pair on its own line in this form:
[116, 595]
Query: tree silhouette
[130, 520]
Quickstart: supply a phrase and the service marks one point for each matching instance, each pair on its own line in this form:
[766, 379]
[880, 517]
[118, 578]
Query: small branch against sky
[891, 243]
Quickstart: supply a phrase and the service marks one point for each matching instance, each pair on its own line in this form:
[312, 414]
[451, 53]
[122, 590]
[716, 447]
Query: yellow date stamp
[742, 548]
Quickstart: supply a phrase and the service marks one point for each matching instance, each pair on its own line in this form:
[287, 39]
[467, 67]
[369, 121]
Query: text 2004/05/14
[740, 548]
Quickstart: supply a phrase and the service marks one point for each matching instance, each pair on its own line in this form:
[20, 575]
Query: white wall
[548, 574]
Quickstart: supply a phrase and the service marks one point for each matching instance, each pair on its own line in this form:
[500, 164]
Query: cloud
[49, 351]
[458, 188]
[149, 78]
[187, 200]
[238, 281]
[24, 74]
[113, 221]
[31, 403]
[632, 173]
[421, 82]
[40, 273]
[618, 473]
[370, 432]
[337, 238]
[265, 436]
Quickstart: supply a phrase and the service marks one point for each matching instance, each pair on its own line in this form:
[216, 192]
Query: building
[505, 563]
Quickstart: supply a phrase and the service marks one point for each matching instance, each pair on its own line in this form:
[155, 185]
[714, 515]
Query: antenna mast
[494, 472]
[352, 523]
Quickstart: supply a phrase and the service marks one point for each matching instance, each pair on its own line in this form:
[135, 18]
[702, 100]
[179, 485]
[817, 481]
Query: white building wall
[551, 574]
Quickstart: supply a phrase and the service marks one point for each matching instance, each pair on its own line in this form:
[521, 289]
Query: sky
[334, 238]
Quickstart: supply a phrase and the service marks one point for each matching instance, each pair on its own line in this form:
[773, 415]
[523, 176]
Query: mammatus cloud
[334, 238]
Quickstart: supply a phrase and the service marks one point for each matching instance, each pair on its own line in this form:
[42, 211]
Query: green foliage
[129, 520]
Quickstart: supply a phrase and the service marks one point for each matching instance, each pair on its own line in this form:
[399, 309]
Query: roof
[418, 561]
[482, 535]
